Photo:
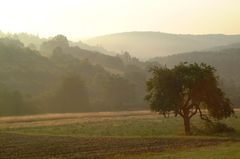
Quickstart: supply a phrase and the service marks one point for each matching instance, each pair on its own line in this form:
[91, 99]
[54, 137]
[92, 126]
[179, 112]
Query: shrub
[213, 128]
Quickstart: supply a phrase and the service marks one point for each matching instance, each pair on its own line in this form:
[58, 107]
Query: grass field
[130, 135]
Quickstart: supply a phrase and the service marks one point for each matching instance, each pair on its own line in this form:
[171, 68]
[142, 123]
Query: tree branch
[181, 113]
[187, 101]
[202, 116]
[193, 113]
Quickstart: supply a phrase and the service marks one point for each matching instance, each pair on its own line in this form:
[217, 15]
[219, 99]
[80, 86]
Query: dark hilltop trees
[187, 90]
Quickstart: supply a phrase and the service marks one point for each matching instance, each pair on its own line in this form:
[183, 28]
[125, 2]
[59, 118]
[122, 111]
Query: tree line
[66, 79]
[57, 77]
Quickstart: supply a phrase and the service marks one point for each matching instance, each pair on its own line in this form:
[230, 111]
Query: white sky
[86, 18]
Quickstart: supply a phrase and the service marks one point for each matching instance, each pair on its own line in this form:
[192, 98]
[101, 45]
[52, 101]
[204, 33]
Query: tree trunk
[187, 125]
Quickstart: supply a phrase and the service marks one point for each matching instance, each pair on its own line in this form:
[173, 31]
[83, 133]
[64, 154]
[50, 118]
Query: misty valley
[119, 79]
[57, 76]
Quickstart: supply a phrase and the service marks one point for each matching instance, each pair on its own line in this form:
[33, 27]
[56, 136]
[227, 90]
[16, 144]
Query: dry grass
[68, 118]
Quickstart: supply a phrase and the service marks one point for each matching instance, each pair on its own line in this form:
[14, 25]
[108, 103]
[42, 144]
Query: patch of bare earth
[16, 146]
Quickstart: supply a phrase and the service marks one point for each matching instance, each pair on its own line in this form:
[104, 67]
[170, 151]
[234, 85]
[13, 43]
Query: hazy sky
[85, 18]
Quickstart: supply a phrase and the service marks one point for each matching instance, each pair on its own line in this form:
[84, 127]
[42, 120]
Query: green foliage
[72, 96]
[187, 89]
[225, 61]
[24, 69]
[61, 44]
[210, 128]
[12, 103]
[39, 77]
[137, 76]
[112, 92]
[11, 43]
[26, 38]
[47, 47]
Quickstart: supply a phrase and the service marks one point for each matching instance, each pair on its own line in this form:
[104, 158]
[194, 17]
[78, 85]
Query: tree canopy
[112, 82]
[72, 96]
[186, 90]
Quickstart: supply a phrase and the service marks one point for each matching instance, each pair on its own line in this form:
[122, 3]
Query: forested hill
[226, 61]
[60, 44]
[151, 44]
[69, 79]
[35, 41]
[57, 77]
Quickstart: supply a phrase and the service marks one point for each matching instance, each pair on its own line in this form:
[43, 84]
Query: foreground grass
[223, 151]
[153, 126]
[65, 147]
[66, 136]
[156, 126]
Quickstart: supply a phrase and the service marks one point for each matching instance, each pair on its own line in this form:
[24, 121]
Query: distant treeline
[60, 78]
[56, 76]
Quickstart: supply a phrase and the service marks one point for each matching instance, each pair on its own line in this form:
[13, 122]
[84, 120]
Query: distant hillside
[23, 69]
[40, 83]
[225, 47]
[152, 44]
[61, 42]
[92, 48]
[226, 61]
[34, 42]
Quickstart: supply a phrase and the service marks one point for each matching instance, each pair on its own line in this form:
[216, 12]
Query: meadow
[114, 135]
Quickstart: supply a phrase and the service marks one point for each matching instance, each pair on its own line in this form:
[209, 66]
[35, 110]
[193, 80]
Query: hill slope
[151, 44]
[226, 62]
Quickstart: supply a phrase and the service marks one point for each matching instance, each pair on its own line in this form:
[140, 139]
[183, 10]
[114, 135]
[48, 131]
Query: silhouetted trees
[47, 47]
[111, 82]
[226, 62]
[185, 90]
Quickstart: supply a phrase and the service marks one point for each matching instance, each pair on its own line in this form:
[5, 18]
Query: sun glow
[86, 18]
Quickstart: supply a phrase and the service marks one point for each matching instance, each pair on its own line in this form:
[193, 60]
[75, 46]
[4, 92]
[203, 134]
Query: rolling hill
[146, 45]
[226, 62]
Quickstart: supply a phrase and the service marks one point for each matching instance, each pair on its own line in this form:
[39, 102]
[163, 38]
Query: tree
[72, 96]
[186, 90]
[12, 103]
[47, 47]
[112, 92]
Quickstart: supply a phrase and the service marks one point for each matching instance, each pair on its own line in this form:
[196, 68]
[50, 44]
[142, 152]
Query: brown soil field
[16, 146]
[22, 146]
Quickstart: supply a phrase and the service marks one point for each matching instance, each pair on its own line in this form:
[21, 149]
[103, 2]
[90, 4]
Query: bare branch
[181, 113]
[193, 113]
[202, 116]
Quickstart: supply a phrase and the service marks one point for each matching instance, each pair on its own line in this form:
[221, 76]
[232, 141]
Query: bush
[213, 128]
